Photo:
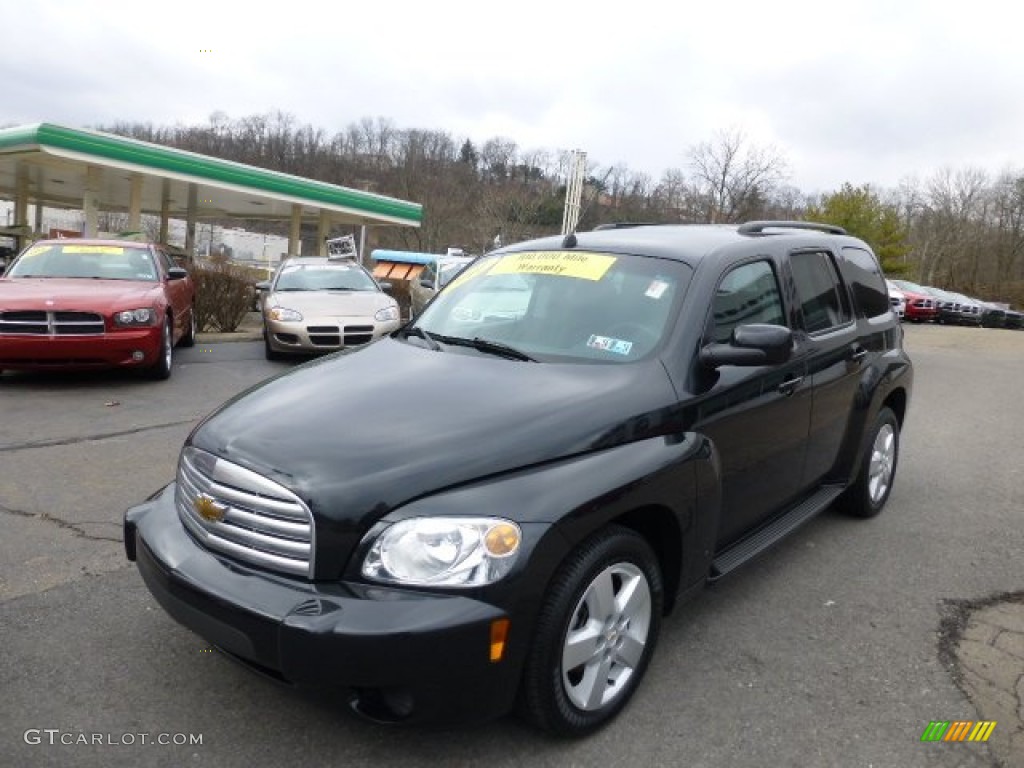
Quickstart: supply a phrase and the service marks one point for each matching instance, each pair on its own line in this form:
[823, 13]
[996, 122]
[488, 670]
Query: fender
[878, 385]
[560, 503]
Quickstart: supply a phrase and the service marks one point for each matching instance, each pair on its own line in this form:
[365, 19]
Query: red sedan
[86, 303]
[921, 305]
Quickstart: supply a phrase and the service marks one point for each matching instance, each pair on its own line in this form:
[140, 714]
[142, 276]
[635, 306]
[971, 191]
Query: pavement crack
[58, 441]
[75, 528]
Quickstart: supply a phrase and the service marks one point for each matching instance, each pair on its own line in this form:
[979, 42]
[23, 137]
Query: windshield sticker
[92, 249]
[656, 289]
[618, 346]
[585, 266]
[35, 250]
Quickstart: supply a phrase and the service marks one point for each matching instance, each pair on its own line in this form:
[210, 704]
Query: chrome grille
[261, 522]
[33, 322]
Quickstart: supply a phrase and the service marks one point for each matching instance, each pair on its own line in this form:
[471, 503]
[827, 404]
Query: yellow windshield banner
[92, 249]
[582, 265]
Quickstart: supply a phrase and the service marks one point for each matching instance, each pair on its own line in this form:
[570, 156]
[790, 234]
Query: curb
[217, 338]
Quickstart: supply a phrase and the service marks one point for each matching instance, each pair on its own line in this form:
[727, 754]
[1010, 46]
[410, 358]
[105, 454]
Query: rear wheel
[869, 492]
[595, 634]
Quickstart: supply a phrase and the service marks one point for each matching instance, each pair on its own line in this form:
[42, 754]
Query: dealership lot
[823, 653]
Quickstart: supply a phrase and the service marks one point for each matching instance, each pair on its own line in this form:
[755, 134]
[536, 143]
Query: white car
[316, 305]
[897, 298]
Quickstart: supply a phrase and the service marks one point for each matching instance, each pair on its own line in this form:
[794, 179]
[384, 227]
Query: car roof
[688, 243]
[321, 260]
[93, 241]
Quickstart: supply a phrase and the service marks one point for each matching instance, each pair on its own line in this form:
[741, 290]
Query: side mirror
[262, 285]
[426, 283]
[386, 286]
[177, 273]
[751, 345]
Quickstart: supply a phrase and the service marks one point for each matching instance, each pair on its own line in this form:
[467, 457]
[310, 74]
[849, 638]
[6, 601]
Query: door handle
[858, 354]
[789, 385]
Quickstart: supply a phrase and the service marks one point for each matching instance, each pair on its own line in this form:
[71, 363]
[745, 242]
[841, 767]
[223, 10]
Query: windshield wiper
[415, 330]
[487, 345]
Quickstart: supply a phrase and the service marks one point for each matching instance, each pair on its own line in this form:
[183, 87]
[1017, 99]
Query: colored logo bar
[958, 730]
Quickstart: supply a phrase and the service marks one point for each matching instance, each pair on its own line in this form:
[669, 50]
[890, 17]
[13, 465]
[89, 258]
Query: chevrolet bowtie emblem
[210, 510]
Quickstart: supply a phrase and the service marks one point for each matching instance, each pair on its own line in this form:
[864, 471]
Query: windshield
[324, 277]
[906, 285]
[97, 262]
[449, 269]
[562, 305]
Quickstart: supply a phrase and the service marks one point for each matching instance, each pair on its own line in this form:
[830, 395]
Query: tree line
[961, 229]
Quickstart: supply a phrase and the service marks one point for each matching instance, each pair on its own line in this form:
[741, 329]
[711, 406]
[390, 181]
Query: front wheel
[869, 492]
[595, 635]
[161, 369]
[189, 339]
[268, 351]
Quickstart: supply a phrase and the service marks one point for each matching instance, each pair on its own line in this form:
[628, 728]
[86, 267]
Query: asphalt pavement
[840, 647]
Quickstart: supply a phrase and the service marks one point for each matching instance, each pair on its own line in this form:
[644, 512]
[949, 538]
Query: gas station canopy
[50, 165]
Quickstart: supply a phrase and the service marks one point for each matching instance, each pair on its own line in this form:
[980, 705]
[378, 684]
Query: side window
[821, 293]
[866, 282]
[428, 273]
[747, 294]
[165, 261]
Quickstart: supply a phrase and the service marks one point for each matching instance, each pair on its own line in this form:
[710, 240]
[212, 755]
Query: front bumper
[406, 655]
[110, 350]
[325, 334]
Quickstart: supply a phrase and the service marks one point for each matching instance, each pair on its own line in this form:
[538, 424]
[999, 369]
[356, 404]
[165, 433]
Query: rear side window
[866, 282]
[747, 294]
[822, 298]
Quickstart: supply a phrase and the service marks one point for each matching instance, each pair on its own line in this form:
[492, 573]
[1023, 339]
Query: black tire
[867, 495]
[564, 701]
[161, 369]
[189, 339]
[270, 352]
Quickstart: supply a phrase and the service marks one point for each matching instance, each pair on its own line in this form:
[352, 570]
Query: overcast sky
[865, 91]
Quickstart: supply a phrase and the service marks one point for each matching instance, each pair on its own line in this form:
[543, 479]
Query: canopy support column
[135, 203]
[295, 230]
[90, 200]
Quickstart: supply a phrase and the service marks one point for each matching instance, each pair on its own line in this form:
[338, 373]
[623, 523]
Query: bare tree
[734, 177]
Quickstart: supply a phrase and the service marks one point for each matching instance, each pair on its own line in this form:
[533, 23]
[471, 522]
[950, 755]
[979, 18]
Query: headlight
[386, 314]
[135, 317]
[444, 551]
[287, 315]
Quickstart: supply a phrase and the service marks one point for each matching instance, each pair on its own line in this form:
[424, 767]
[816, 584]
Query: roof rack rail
[759, 227]
[624, 225]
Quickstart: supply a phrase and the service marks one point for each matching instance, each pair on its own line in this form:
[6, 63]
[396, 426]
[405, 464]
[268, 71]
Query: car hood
[332, 303]
[359, 434]
[75, 294]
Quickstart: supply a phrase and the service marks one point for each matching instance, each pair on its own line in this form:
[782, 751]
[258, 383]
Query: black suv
[652, 408]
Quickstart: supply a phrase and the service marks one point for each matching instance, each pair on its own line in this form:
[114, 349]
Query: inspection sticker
[656, 289]
[618, 346]
[586, 266]
[92, 249]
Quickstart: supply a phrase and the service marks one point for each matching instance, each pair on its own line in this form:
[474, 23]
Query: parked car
[897, 298]
[435, 276]
[1014, 319]
[87, 303]
[993, 315]
[920, 304]
[315, 305]
[970, 310]
[672, 401]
